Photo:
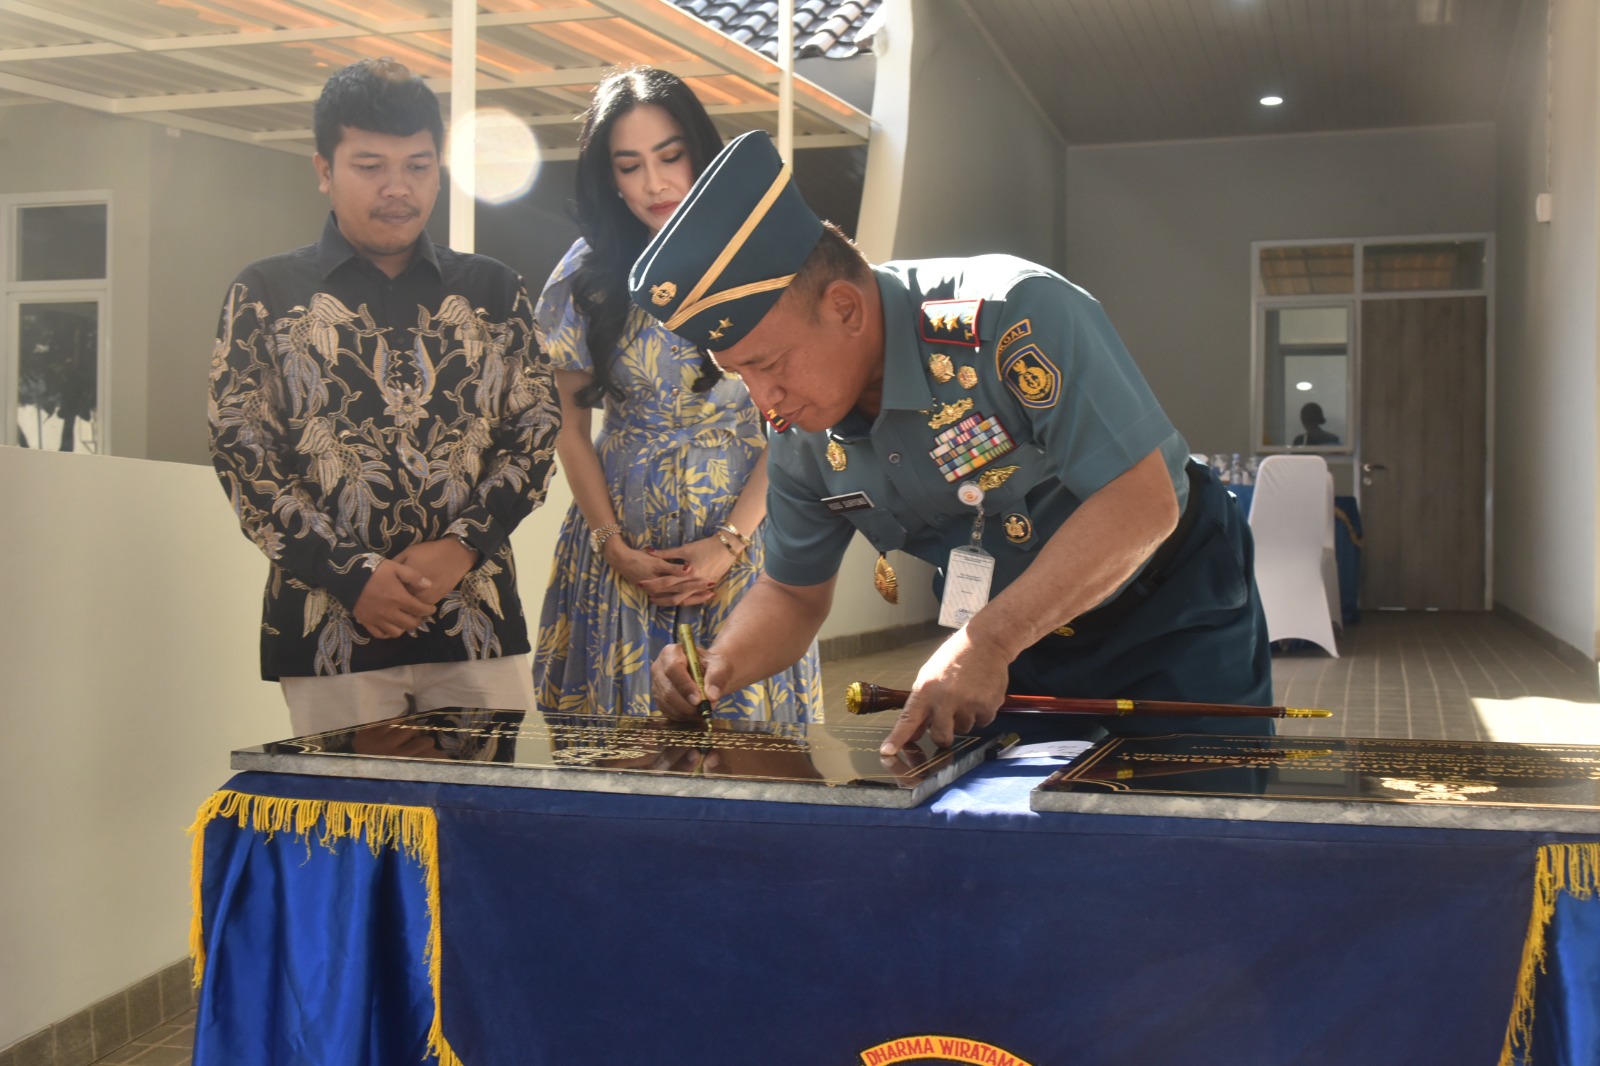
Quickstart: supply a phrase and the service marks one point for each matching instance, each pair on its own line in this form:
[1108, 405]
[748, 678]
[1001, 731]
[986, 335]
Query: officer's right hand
[388, 605]
[675, 692]
[959, 689]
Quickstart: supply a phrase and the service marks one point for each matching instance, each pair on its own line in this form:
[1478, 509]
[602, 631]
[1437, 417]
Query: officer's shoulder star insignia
[716, 334]
[661, 295]
[951, 322]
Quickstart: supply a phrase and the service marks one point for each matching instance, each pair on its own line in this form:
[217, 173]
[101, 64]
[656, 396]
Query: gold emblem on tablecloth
[940, 366]
[661, 295]
[884, 579]
[968, 377]
[837, 458]
[993, 479]
[950, 413]
[1018, 529]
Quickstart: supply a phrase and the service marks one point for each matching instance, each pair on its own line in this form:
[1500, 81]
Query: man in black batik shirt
[381, 419]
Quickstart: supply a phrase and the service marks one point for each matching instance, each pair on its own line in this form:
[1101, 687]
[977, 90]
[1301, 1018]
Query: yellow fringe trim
[1570, 868]
[412, 829]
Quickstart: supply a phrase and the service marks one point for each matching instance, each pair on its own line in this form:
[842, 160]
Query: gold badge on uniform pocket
[940, 366]
[884, 580]
[968, 377]
[1018, 529]
[837, 458]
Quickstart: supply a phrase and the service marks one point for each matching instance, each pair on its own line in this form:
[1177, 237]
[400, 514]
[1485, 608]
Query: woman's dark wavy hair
[615, 236]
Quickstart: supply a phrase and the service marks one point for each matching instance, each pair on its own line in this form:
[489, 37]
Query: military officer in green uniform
[977, 413]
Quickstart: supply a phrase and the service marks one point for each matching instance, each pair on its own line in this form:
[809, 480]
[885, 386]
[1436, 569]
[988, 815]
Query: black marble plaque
[1335, 779]
[836, 764]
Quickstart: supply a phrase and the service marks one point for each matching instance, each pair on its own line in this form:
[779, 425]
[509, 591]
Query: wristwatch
[598, 537]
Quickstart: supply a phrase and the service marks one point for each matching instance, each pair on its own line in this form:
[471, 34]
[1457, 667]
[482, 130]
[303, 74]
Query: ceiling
[1127, 71]
[1100, 71]
[250, 70]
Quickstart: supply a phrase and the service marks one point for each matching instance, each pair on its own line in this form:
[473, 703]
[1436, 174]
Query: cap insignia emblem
[661, 295]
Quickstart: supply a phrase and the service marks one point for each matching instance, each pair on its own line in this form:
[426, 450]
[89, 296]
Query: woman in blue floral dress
[668, 502]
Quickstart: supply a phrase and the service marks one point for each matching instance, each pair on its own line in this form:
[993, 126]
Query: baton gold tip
[1305, 712]
[852, 697]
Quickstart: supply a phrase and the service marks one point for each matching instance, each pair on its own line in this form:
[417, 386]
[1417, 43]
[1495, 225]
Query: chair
[1291, 519]
[1330, 565]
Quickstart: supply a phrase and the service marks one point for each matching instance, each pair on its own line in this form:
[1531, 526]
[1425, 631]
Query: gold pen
[686, 642]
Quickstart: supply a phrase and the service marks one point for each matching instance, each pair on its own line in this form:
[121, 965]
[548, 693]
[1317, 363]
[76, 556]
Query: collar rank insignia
[951, 322]
[1029, 373]
[661, 295]
[973, 442]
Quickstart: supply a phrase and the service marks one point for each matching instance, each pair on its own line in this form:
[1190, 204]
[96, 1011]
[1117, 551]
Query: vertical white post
[786, 80]
[463, 101]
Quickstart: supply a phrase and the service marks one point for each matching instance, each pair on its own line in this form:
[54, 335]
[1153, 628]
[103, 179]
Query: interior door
[1423, 452]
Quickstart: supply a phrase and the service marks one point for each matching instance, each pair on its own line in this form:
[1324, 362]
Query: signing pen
[686, 641]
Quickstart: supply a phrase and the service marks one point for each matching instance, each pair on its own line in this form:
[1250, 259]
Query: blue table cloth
[570, 927]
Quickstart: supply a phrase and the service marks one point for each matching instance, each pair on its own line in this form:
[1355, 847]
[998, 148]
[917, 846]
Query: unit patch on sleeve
[1030, 374]
[951, 322]
[1012, 336]
[973, 442]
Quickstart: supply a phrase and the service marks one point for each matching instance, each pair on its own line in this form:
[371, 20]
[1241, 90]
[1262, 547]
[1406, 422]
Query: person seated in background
[1312, 419]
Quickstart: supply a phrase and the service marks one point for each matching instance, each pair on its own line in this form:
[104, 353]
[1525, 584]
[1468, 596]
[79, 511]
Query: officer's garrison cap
[730, 249]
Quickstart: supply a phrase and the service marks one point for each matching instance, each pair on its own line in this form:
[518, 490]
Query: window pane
[1312, 270]
[1307, 364]
[61, 243]
[1432, 267]
[58, 370]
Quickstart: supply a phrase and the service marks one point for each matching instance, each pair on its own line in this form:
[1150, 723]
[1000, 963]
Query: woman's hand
[695, 570]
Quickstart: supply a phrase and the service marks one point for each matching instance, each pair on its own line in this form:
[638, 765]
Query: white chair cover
[1330, 565]
[1291, 518]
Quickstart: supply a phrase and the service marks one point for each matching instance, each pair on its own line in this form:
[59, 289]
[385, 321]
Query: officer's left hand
[959, 689]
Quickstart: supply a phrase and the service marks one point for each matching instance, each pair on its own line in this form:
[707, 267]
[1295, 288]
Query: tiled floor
[171, 1044]
[1469, 676]
[1435, 676]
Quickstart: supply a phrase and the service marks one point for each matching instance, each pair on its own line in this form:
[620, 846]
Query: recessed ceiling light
[1271, 101]
[1303, 386]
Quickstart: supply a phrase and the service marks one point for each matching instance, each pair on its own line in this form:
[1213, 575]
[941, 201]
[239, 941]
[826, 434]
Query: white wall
[1546, 394]
[965, 164]
[1161, 234]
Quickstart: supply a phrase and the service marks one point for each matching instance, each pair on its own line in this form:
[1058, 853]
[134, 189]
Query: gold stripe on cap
[689, 308]
[737, 293]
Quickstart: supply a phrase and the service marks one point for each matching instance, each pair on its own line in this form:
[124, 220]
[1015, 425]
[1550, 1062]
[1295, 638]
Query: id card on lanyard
[969, 574]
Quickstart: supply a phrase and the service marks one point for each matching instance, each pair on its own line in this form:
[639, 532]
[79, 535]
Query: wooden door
[1423, 452]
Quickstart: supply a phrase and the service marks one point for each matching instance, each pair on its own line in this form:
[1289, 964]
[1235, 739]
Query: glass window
[58, 371]
[1307, 270]
[61, 242]
[1306, 360]
[1435, 266]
